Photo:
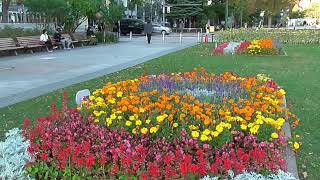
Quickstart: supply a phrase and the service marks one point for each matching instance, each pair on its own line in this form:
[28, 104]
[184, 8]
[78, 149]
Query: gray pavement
[27, 76]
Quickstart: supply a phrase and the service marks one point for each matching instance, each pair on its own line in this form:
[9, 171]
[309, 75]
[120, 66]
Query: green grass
[298, 73]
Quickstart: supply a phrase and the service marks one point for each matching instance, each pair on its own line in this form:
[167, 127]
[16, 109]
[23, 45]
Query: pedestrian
[148, 30]
[44, 38]
[59, 38]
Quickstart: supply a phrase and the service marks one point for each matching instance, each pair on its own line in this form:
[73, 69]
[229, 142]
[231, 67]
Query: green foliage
[272, 7]
[313, 11]
[186, 8]
[8, 31]
[71, 13]
[285, 36]
[112, 14]
[109, 37]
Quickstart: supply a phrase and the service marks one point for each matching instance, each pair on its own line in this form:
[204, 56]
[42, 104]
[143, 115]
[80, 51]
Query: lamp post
[227, 12]
[163, 11]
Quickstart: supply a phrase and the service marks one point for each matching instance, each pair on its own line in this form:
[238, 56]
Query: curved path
[27, 76]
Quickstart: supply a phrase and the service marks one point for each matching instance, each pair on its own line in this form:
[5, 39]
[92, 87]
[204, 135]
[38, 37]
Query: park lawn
[298, 73]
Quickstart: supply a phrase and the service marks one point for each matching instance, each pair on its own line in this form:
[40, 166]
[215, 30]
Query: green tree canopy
[313, 11]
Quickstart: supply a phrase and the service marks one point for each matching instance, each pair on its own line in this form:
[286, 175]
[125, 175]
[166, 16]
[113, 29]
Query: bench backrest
[7, 43]
[28, 41]
[80, 36]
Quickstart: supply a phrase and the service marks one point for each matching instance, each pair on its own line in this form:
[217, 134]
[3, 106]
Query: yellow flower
[243, 127]
[274, 135]
[215, 133]
[118, 112]
[134, 131]
[119, 117]
[138, 123]
[112, 101]
[128, 123]
[206, 132]
[175, 125]
[148, 121]
[119, 94]
[108, 121]
[96, 121]
[203, 137]
[153, 130]
[78, 108]
[160, 119]
[113, 116]
[91, 98]
[195, 134]
[227, 125]
[142, 110]
[296, 145]
[193, 127]
[144, 130]
[219, 128]
[254, 129]
[131, 118]
[282, 92]
[297, 136]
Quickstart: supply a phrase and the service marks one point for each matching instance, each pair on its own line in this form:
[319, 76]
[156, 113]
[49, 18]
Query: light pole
[227, 12]
[163, 11]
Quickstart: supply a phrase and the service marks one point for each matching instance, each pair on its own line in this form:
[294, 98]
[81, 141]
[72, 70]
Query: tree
[5, 9]
[313, 11]
[71, 13]
[186, 8]
[272, 7]
[111, 14]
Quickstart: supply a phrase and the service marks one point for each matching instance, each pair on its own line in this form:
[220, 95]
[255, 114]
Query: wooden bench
[81, 38]
[8, 44]
[30, 42]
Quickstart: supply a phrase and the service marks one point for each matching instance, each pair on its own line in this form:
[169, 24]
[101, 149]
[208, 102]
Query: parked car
[136, 26]
[158, 28]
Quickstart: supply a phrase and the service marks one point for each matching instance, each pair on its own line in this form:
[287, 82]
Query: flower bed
[255, 47]
[169, 126]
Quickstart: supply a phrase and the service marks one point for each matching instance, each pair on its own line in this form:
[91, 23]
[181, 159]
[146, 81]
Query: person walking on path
[148, 30]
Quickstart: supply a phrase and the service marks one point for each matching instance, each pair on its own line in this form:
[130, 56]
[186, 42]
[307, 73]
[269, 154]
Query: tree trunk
[269, 21]
[5, 10]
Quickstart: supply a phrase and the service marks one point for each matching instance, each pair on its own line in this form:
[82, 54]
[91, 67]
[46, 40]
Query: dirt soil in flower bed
[297, 73]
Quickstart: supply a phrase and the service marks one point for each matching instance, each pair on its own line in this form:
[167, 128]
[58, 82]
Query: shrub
[109, 37]
[15, 32]
[13, 155]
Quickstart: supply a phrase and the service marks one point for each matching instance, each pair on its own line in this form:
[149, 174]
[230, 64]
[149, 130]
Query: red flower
[214, 168]
[153, 170]
[26, 122]
[167, 159]
[244, 158]
[169, 172]
[90, 161]
[227, 164]
[143, 176]
[43, 156]
[114, 169]
[239, 167]
[102, 160]
[193, 168]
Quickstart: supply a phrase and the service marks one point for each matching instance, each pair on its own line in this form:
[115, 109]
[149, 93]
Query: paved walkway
[28, 76]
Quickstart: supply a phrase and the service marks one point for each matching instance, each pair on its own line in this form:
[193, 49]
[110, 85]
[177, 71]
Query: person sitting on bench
[64, 41]
[91, 36]
[44, 38]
